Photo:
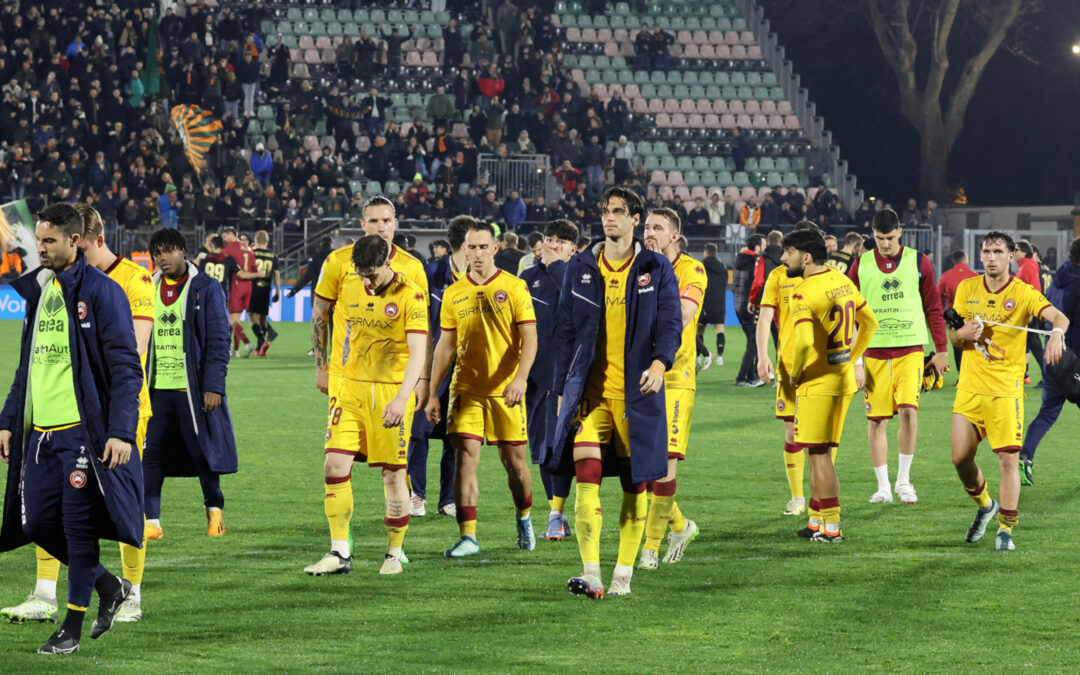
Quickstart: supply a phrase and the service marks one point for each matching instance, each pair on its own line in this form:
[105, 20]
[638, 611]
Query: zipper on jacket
[573, 360]
[582, 297]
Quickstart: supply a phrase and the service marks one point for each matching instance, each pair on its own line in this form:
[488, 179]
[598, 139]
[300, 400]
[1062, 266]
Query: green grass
[903, 592]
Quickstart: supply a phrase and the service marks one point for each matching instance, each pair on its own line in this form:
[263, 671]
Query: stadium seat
[703, 106]
[736, 107]
[307, 42]
[663, 120]
[678, 121]
[668, 162]
[665, 91]
[658, 178]
[651, 163]
[738, 52]
[675, 178]
[691, 52]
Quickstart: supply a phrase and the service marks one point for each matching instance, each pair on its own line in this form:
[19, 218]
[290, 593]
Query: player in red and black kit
[223, 268]
[241, 287]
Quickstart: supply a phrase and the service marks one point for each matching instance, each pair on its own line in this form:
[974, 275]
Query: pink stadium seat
[611, 49]
[430, 60]
[768, 107]
[744, 121]
[459, 130]
[336, 41]
[752, 107]
[409, 45]
[311, 57]
[296, 55]
[731, 38]
[578, 76]
[423, 44]
[688, 106]
[712, 121]
[720, 106]
[406, 127]
[760, 122]
[655, 105]
[412, 59]
[675, 178]
[556, 21]
[666, 193]
[311, 143]
[328, 56]
[439, 45]
[792, 122]
[704, 106]
[776, 121]
[727, 121]
[323, 42]
[762, 192]
[632, 91]
[300, 71]
[604, 35]
[601, 91]
[748, 192]
[716, 37]
[330, 142]
[754, 52]
[633, 35]
[626, 50]
[731, 192]
[573, 35]
[650, 193]
[687, 198]
[811, 193]
[640, 106]
[784, 108]
[315, 155]
[663, 120]
[723, 52]
[684, 37]
[588, 35]
[658, 178]
[747, 38]
[707, 51]
[307, 42]
[736, 107]
[677, 49]
[691, 52]
[698, 191]
[616, 88]
[678, 120]
[671, 106]
[701, 37]
[738, 52]
[695, 121]
[621, 35]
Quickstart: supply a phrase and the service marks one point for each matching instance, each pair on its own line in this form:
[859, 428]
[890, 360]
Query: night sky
[1021, 139]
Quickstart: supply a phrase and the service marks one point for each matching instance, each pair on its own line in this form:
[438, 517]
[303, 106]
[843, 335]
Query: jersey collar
[987, 287]
[485, 282]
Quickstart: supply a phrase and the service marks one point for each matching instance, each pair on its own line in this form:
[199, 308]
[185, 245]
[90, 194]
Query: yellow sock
[813, 511]
[677, 522]
[133, 560]
[395, 530]
[1007, 519]
[632, 525]
[588, 519]
[339, 507]
[831, 515]
[794, 467]
[832, 455]
[656, 523]
[981, 495]
[48, 567]
[408, 483]
[467, 528]
[557, 503]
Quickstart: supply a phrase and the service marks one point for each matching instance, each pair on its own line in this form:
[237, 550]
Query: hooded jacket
[545, 285]
[653, 333]
[206, 363]
[744, 266]
[1064, 293]
[107, 377]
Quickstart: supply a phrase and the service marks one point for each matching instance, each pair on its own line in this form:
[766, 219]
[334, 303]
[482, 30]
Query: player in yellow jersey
[832, 325]
[382, 359]
[663, 229]
[776, 307]
[489, 334]
[995, 308]
[139, 289]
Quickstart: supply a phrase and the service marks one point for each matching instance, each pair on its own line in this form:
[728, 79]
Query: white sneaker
[418, 506]
[448, 510]
[331, 563]
[236, 353]
[649, 559]
[704, 362]
[906, 493]
[248, 348]
[620, 581]
[391, 565]
[881, 497]
[719, 360]
[131, 610]
[35, 608]
[795, 506]
[677, 542]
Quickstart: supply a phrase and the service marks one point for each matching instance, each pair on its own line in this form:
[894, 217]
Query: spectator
[624, 157]
[169, 207]
[698, 220]
[746, 264]
[412, 194]
[247, 72]
[840, 216]
[910, 217]
[491, 85]
[492, 211]
[11, 262]
[661, 42]
[481, 52]
[509, 255]
[345, 54]
[506, 20]
[535, 243]
[453, 46]
[742, 150]
[523, 145]
[750, 214]
[593, 156]
[470, 204]
[863, 216]
[440, 107]
[567, 176]
[643, 49]
[514, 210]
[617, 114]
[930, 215]
[538, 212]
[262, 164]
[493, 130]
[393, 52]
[770, 213]
[374, 109]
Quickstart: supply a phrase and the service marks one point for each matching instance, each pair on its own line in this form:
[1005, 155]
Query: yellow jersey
[139, 288]
[339, 283]
[375, 345]
[486, 318]
[607, 377]
[777, 294]
[692, 283]
[1016, 304]
[825, 310]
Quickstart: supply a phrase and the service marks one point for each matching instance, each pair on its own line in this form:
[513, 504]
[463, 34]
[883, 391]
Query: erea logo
[644, 279]
[391, 310]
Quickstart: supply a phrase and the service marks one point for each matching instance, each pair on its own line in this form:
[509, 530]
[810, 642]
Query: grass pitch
[903, 592]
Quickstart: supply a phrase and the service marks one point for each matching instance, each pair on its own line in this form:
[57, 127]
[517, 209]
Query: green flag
[151, 79]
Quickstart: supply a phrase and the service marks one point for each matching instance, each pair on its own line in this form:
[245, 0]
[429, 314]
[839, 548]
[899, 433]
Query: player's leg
[794, 461]
[819, 425]
[593, 429]
[447, 506]
[878, 395]
[343, 443]
[660, 506]
[160, 434]
[906, 437]
[1052, 402]
[209, 481]
[965, 440]
[466, 494]
[825, 491]
[418, 457]
[721, 340]
[1004, 433]
[396, 519]
[632, 516]
[519, 478]
[257, 329]
[133, 559]
[557, 487]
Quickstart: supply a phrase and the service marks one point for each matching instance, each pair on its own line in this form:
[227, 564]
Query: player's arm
[395, 410]
[867, 326]
[515, 391]
[1055, 345]
[761, 337]
[277, 282]
[803, 343]
[320, 336]
[218, 336]
[931, 302]
[963, 335]
[441, 360]
[250, 275]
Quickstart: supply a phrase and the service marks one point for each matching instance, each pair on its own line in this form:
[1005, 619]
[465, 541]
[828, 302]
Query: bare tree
[935, 110]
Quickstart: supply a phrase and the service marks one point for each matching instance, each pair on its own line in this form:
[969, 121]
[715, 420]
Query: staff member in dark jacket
[714, 310]
[191, 431]
[545, 280]
[619, 326]
[1063, 293]
[67, 428]
[745, 265]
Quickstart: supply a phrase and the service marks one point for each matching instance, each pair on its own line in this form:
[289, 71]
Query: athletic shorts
[998, 419]
[680, 408]
[785, 395]
[486, 418]
[819, 418]
[239, 297]
[140, 434]
[602, 422]
[892, 384]
[260, 300]
[354, 425]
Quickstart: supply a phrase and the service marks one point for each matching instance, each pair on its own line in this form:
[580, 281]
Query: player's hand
[432, 412]
[277, 296]
[765, 368]
[514, 393]
[860, 376]
[652, 379]
[795, 380]
[211, 401]
[117, 452]
[5, 445]
[421, 391]
[394, 413]
[940, 362]
[322, 380]
[971, 331]
[652, 245]
[1055, 347]
[751, 308]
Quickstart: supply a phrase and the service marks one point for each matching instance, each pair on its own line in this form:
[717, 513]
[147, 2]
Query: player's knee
[908, 416]
[337, 465]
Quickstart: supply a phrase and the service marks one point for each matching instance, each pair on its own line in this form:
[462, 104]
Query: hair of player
[534, 238]
[482, 226]
[1074, 251]
[852, 238]
[830, 237]
[672, 216]
[957, 257]
[442, 243]
[998, 235]
[1025, 246]
[754, 240]
[369, 252]
[807, 225]
[167, 240]
[229, 230]
[218, 242]
[774, 238]
[583, 241]
[93, 226]
[63, 217]
[379, 200]
[885, 221]
[561, 228]
[400, 240]
[710, 249]
[634, 205]
[807, 241]
[262, 237]
[509, 238]
[455, 231]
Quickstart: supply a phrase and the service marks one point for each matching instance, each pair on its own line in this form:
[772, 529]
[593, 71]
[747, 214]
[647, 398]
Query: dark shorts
[260, 300]
[715, 311]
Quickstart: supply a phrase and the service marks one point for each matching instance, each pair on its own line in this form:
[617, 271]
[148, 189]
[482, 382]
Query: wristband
[1058, 329]
[425, 379]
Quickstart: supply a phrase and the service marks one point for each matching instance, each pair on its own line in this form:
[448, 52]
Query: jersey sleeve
[771, 295]
[140, 293]
[523, 305]
[693, 287]
[231, 268]
[416, 317]
[447, 319]
[1036, 301]
[960, 300]
[329, 280]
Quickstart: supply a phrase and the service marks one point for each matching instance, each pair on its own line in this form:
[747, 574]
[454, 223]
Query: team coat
[440, 276]
[545, 284]
[206, 363]
[653, 332]
[107, 375]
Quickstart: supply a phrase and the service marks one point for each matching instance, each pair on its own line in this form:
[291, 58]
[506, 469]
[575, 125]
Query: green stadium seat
[658, 77]
[665, 91]
[625, 76]
[684, 163]
[372, 188]
[782, 164]
[609, 77]
[392, 188]
[738, 78]
[644, 148]
[723, 24]
[361, 16]
[674, 77]
[586, 61]
[395, 16]
[745, 93]
[311, 14]
[355, 186]
[692, 178]
[648, 91]
[285, 28]
[316, 28]
[664, 22]
[741, 179]
[723, 78]
[792, 178]
[592, 75]
[571, 61]
[766, 164]
[776, 93]
[724, 178]
[603, 62]
[708, 23]
[708, 179]
[265, 112]
[442, 18]
[335, 29]
[600, 21]
[569, 21]
[292, 42]
[344, 16]
[641, 78]
[706, 77]
[432, 30]
[667, 163]
[268, 27]
[652, 163]
[301, 28]
[414, 101]
[682, 91]
[713, 92]
[729, 93]
[622, 8]
[396, 99]
[769, 79]
[617, 22]
[701, 163]
[696, 92]
[717, 164]
[411, 17]
[585, 21]
[294, 14]
[377, 16]
[773, 178]
[752, 164]
[352, 29]
[798, 164]
[738, 23]
[690, 77]
[328, 15]
[661, 148]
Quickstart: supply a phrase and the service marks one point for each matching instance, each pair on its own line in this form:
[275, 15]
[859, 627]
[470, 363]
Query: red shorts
[239, 297]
